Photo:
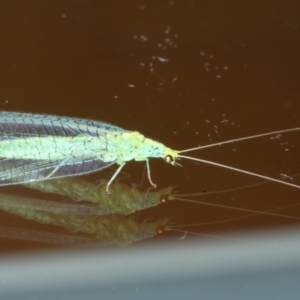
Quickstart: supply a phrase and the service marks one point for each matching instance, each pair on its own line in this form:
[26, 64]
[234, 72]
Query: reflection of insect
[105, 229]
[123, 199]
[108, 228]
[37, 147]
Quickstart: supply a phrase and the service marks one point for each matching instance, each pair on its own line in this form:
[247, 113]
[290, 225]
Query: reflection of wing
[14, 171]
[52, 238]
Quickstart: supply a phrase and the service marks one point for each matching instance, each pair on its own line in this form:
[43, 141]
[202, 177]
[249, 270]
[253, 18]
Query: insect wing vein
[36, 147]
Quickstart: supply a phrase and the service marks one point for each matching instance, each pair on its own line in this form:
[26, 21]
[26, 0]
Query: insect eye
[160, 229]
[164, 199]
[169, 159]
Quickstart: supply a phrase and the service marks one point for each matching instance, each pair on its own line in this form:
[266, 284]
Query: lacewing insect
[37, 147]
[109, 229]
[123, 199]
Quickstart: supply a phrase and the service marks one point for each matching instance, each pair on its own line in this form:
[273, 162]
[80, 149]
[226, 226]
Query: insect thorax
[154, 149]
[127, 146]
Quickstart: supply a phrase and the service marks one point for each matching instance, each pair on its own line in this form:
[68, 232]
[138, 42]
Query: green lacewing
[38, 147]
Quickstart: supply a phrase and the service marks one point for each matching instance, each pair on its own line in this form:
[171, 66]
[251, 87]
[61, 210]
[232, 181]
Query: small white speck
[286, 149]
[151, 67]
[225, 68]
[277, 136]
[168, 29]
[286, 176]
[142, 64]
[116, 97]
[202, 53]
[219, 76]
[174, 79]
[207, 121]
[159, 45]
[211, 56]
[144, 38]
[131, 85]
[63, 15]
[162, 59]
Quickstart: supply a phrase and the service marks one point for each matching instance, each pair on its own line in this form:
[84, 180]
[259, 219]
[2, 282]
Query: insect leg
[149, 174]
[62, 163]
[113, 177]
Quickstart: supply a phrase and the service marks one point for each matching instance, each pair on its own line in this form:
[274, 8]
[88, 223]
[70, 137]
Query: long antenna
[240, 139]
[240, 170]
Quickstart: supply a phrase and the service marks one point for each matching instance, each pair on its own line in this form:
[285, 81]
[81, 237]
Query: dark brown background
[173, 70]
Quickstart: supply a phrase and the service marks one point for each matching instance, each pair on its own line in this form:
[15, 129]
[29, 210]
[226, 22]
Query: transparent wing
[23, 171]
[16, 126]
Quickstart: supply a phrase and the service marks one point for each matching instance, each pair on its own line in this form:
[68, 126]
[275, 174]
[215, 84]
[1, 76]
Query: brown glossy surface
[182, 72]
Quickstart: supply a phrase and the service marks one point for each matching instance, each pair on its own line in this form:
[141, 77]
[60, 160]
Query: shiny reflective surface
[105, 222]
[185, 73]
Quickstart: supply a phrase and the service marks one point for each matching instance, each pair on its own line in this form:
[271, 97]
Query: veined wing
[16, 125]
[22, 130]
[23, 171]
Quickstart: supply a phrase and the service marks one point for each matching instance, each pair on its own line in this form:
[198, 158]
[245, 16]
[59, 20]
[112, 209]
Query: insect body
[38, 147]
